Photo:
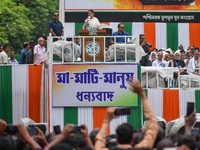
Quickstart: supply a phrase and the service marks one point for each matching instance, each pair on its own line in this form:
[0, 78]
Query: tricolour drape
[6, 93]
[20, 92]
[170, 104]
[160, 35]
[35, 73]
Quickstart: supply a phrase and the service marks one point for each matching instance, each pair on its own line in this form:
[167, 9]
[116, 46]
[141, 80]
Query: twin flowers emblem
[91, 51]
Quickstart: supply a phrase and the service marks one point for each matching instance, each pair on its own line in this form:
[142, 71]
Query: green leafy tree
[20, 23]
[15, 26]
[40, 15]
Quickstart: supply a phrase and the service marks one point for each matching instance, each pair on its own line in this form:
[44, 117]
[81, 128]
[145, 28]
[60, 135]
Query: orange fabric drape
[170, 104]
[98, 117]
[194, 32]
[150, 34]
[108, 23]
[35, 73]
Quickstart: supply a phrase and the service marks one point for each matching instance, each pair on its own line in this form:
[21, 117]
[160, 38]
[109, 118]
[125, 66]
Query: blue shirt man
[23, 53]
[13, 62]
[120, 32]
[12, 59]
[56, 27]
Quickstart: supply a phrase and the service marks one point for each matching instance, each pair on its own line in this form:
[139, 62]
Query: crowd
[32, 53]
[185, 60]
[188, 58]
[151, 136]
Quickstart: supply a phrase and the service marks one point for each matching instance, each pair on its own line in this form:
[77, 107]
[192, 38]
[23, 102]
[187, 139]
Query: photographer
[19, 130]
[69, 131]
[145, 45]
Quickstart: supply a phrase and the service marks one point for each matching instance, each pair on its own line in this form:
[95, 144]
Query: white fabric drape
[156, 100]
[57, 118]
[184, 97]
[51, 96]
[137, 28]
[69, 29]
[183, 35]
[115, 122]
[20, 92]
[161, 35]
[114, 26]
[85, 116]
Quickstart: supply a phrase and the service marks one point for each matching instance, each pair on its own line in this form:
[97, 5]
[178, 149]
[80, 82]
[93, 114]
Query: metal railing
[132, 39]
[164, 78]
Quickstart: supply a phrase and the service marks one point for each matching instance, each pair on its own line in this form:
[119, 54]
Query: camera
[148, 44]
[190, 108]
[122, 111]
[56, 129]
[77, 129]
[11, 129]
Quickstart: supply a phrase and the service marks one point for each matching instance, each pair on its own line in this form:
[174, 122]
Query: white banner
[93, 85]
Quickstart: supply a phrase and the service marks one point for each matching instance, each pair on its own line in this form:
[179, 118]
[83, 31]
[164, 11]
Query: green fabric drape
[172, 36]
[135, 118]
[128, 27]
[71, 115]
[6, 93]
[78, 25]
[197, 101]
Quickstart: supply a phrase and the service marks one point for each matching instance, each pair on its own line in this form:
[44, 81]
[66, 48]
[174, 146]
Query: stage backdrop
[93, 85]
[165, 26]
[160, 35]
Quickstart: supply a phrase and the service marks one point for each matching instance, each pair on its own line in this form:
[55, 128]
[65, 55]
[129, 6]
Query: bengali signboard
[181, 11]
[93, 85]
[132, 5]
[181, 17]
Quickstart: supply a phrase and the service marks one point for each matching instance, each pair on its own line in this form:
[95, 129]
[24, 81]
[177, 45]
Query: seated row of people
[178, 59]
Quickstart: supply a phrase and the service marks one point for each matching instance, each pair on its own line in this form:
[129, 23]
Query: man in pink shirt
[39, 51]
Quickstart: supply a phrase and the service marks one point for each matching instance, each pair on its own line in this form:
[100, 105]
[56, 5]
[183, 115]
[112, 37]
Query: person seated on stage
[153, 56]
[167, 58]
[172, 56]
[183, 56]
[188, 57]
[177, 62]
[120, 32]
[194, 63]
[147, 59]
[159, 62]
[155, 50]
[91, 21]
[125, 131]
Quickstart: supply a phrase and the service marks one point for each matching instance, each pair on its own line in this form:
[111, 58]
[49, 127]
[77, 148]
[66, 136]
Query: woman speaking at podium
[91, 21]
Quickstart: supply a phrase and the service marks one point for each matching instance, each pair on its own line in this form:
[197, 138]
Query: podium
[89, 45]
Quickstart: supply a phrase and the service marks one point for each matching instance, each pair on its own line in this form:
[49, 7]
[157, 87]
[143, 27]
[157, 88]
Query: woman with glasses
[153, 56]
[91, 21]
